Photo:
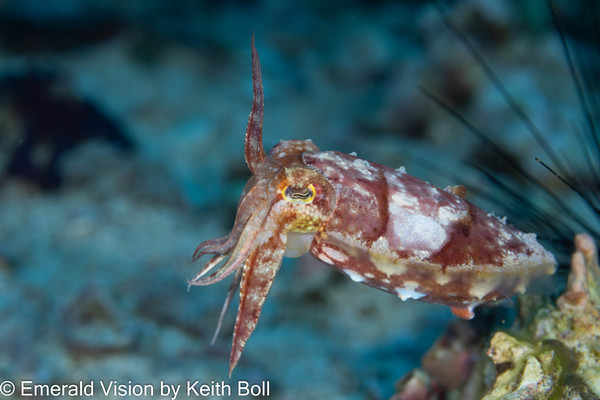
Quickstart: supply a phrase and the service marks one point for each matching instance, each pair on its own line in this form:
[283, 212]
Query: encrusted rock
[417, 385]
[561, 356]
[556, 355]
[524, 371]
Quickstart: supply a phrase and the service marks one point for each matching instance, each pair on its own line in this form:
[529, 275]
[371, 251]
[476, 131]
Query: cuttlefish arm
[282, 207]
[226, 243]
[254, 150]
[255, 159]
[224, 247]
[259, 251]
[257, 277]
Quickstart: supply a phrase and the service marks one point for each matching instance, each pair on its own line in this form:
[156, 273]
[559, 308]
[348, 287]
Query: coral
[555, 354]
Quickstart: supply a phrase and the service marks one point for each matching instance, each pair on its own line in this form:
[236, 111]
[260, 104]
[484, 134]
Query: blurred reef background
[121, 148]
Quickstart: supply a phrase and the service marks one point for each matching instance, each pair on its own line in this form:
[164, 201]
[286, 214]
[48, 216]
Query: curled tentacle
[225, 244]
[236, 258]
[214, 246]
[250, 195]
[207, 267]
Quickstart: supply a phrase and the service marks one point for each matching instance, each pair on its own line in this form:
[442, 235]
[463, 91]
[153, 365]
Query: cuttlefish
[378, 225]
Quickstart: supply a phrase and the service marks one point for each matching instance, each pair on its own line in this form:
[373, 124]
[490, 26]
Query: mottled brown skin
[382, 227]
[481, 259]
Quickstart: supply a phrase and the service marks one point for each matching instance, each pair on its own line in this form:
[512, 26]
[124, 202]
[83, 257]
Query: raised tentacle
[258, 274]
[255, 153]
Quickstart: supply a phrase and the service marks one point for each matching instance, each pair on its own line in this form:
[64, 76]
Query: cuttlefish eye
[299, 195]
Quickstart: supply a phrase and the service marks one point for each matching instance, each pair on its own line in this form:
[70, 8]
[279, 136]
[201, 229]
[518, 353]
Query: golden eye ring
[302, 196]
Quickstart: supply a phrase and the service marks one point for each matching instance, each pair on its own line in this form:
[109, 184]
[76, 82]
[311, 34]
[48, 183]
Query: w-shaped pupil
[299, 194]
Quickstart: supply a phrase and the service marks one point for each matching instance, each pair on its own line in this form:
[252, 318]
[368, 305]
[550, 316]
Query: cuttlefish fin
[464, 312]
[258, 274]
